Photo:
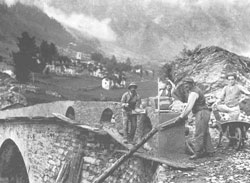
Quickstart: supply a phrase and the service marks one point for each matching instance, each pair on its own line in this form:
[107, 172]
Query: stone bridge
[35, 146]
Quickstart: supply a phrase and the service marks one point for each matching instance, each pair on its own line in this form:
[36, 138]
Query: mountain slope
[19, 18]
[161, 29]
[143, 30]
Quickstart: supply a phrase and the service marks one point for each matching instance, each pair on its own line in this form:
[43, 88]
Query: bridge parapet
[45, 144]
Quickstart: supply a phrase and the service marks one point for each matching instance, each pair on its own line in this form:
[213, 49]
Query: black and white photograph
[124, 91]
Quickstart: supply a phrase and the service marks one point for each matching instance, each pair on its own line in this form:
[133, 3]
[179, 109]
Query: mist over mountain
[19, 18]
[161, 28]
[153, 29]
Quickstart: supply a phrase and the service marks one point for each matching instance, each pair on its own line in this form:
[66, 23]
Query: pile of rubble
[227, 166]
[10, 93]
[208, 66]
[15, 95]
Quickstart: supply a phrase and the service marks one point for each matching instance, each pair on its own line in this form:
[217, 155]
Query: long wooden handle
[122, 159]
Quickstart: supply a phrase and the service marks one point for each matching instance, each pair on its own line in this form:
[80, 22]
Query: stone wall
[46, 144]
[90, 112]
[45, 110]
[101, 155]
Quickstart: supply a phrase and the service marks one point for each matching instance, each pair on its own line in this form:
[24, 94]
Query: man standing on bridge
[130, 100]
[197, 104]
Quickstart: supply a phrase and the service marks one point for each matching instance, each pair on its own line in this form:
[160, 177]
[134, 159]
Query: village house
[78, 55]
[107, 83]
[97, 73]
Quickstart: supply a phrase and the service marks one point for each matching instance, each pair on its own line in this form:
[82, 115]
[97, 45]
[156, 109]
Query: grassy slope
[85, 88]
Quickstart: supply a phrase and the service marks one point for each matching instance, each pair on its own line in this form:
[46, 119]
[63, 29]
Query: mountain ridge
[155, 31]
[161, 30]
[19, 18]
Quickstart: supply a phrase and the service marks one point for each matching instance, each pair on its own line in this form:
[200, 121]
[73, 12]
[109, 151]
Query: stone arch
[106, 115]
[12, 166]
[70, 113]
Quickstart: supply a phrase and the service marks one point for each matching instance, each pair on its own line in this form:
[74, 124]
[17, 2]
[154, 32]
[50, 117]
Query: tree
[44, 52]
[111, 64]
[113, 60]
[122, 67]
[110, 67]
[64, 60]
[48, 52]
[25, 60]
[96, 57]
[128, 61]
[53, 52]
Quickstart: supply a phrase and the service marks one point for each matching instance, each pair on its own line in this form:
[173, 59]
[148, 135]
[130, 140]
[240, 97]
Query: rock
[208, 67]
[218, 159]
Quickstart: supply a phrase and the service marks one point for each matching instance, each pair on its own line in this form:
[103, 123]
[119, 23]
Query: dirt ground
[226, 166]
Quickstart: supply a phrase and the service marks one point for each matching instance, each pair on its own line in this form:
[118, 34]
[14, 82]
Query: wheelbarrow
[233, 130]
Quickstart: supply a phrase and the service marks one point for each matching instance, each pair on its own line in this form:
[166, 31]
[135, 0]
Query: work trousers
[143, 127]
[129, 125]
[233, 112]
[202, 138]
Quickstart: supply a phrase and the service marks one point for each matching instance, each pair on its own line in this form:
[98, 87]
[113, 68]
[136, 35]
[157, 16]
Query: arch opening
[106, 115]
[12, 166]
[70, 113]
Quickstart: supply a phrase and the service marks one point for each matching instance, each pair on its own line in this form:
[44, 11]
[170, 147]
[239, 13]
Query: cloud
[13, 2]
[10, 2]
[91, 26]
[83, 23]
[200, 3]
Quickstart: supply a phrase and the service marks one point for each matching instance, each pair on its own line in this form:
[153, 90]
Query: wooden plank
[77, 124]
[64, 118]
[75, 165]
[122, 159]
[64, 172]
[97, 130]
[116, 136]
[177, 165]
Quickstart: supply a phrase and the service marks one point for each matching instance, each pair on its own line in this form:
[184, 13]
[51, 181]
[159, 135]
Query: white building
[107, 83]
[98, 73]
[78, 55]
[123, 83]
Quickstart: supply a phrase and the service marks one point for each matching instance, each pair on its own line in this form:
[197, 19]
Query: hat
[231, 74]
[132, 84]
[188, 80]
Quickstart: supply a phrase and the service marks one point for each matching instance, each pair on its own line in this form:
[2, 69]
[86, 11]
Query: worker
[193, 96]
[230, 97]
[166, 88]
[130, 101]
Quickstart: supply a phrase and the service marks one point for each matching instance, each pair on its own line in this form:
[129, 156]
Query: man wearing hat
[193, 96]
[130, 100]
[230, 97]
